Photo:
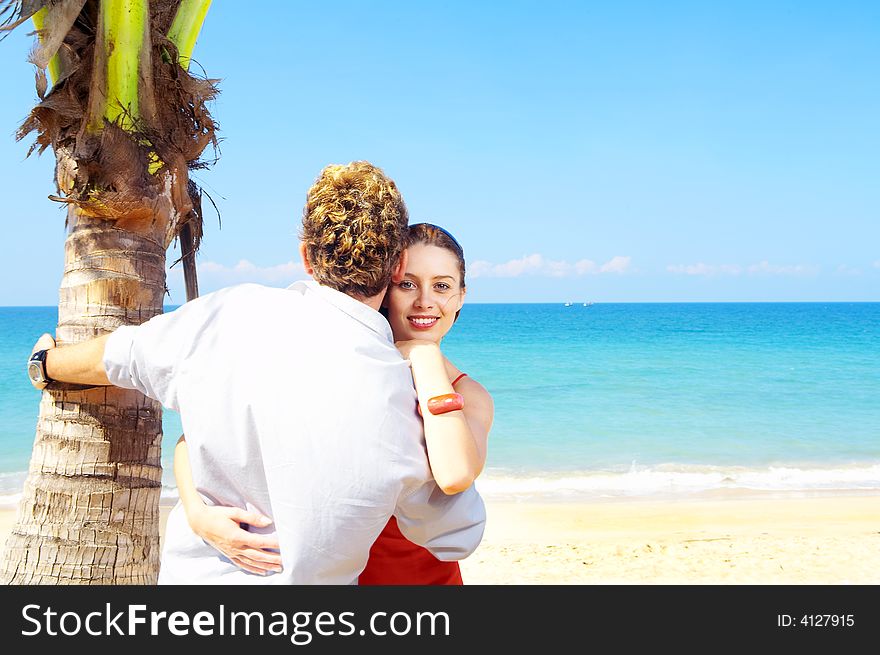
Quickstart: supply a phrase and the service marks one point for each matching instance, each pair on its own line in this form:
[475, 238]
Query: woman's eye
[406, 284]
[441, 286]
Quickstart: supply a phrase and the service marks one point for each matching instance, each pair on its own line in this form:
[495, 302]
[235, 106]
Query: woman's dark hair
[434, 235]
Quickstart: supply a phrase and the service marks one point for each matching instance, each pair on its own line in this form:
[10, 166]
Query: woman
[420, 309]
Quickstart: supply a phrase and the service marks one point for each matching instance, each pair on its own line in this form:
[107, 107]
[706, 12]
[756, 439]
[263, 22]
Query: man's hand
[45, 342]
[221, 527]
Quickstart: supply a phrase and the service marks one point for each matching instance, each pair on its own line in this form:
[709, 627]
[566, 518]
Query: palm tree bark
[90, 506]
[126, 122]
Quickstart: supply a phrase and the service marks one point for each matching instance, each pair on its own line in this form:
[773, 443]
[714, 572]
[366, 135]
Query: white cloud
[537, 265]
[704, 269]
[558, 269]
[215, 275]
[617, 264]
[877, 264]
[513, 268]
[479, 268]
[774, 269]
[762, 268]
[585, 266]
[845, 269]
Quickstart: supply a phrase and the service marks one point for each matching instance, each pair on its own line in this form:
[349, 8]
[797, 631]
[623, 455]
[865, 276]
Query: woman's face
[424, 304]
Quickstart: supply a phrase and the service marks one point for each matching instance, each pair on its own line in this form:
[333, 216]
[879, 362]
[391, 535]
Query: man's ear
[304, 255]
[399, 271]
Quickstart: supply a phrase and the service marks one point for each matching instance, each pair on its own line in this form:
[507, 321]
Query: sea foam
[675, 479]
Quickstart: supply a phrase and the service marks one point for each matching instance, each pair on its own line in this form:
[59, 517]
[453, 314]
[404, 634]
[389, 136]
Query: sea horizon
[620, 400]
[594, 302]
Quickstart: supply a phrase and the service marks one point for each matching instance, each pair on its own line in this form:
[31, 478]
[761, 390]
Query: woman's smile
[421, 322]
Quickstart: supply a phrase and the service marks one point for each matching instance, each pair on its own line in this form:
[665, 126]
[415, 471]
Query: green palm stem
[124, 35]
[185, 28]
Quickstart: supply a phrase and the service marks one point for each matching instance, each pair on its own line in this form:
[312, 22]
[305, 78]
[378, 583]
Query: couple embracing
[328, 439]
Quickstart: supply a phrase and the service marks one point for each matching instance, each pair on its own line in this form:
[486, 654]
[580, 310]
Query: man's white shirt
[295, 404]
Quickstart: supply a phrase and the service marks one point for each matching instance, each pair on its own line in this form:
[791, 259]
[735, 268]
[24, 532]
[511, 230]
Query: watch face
[35, 372]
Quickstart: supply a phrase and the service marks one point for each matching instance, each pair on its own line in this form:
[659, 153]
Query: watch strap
[40, 357]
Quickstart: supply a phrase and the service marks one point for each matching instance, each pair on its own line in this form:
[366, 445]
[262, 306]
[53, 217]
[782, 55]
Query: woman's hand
[407, 348]
[220, 527]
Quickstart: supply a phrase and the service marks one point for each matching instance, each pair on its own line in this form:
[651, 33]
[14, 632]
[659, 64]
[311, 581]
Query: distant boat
[588, 304]
[568, 304]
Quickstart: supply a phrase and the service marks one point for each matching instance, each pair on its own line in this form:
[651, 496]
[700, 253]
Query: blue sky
[637, 151]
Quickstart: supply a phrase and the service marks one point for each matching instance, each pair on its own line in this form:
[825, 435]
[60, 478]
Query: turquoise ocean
[619, 400]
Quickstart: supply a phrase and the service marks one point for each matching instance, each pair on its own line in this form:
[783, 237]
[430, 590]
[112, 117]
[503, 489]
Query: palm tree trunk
[90, 507]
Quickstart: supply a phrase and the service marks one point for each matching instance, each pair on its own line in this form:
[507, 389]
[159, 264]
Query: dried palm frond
[116, 160]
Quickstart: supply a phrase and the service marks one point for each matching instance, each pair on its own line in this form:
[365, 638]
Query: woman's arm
[457, 440]
[479, 410]
[220, 526]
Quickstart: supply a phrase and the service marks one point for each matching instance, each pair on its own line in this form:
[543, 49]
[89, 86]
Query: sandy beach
[745, 539]
[818, 540]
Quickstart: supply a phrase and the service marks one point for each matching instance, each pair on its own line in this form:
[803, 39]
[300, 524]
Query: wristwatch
[37, 368]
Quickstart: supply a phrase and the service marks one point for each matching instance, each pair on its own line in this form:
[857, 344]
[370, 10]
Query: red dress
[395, 560]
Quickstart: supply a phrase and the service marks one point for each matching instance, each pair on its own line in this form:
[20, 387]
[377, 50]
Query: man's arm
[81, 363]
[146, 357]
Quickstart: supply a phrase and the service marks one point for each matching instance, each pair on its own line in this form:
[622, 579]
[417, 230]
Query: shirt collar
[354, 308]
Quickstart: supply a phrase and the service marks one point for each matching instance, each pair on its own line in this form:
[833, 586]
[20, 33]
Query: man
[295, 402]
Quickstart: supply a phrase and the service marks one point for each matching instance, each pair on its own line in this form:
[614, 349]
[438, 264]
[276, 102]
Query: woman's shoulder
[471, 386]
[465, 382]
[462, 380]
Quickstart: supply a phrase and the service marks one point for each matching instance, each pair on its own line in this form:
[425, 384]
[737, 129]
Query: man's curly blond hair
[354, 228]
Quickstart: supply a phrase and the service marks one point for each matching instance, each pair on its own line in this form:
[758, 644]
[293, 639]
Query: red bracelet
[448, 402]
